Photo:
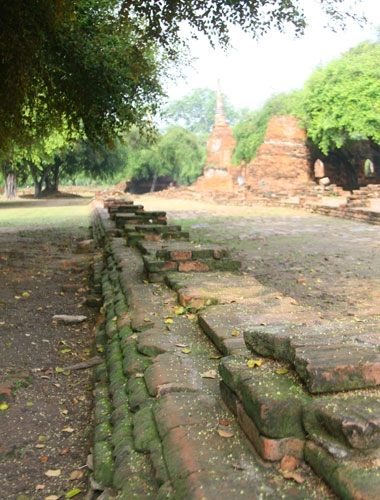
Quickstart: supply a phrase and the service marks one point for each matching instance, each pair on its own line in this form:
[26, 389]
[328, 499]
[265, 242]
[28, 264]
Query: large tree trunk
[10, 186]
[154, 182]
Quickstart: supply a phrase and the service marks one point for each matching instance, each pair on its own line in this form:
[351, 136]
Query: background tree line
[82, 82]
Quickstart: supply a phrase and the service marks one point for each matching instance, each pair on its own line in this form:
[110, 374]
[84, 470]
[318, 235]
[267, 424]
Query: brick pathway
[214, 384]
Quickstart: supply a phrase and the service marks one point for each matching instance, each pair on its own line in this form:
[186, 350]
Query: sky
[253, 71]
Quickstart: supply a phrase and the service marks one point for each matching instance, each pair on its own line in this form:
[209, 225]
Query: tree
[81, 62]
[250, 130]
[196, 111]
[341, 100]
[341, 106]
[177, 154]
[98, 64]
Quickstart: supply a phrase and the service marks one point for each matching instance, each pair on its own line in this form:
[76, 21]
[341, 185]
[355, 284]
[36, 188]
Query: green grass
[32, 216]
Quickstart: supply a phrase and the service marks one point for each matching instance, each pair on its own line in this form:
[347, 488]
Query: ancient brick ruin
[218, 174]
[283, 160]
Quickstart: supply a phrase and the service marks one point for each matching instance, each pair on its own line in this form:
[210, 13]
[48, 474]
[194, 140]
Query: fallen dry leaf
[76, 474]
[53, 473]
[209, 374]
[225, 433]
[68, 429]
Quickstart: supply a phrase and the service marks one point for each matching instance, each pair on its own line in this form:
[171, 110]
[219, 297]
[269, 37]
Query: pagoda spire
[220, 115]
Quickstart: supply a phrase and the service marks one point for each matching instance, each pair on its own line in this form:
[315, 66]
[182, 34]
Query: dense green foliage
[196, 111]
[342, 100]
[88, 70]
[176, 153]
[250, 130]
[98, 64]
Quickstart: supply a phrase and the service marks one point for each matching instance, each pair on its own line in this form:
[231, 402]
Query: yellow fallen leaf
[251, 363]
[186, 351]
[235, 333]
[168, 321]
[282, 371]
[179, 310]
[73, 493]
[3, 406]
[53, 473]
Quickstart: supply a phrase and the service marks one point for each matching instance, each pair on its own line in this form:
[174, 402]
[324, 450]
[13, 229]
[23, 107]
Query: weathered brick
[269, 449]
[338, 367]
[171, 373]
[193, 266]
[181, 255]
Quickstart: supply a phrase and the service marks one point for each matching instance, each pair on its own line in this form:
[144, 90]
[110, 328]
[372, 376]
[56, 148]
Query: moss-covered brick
[134, 476]
[103, 431]
[121, 414]
[101, 372]
[119, 397]
[111, 329]
[275, 404]
[350, 480]
[137, 393]
[153, 265]
[144, 429]
[102, 410]
[231, 369]
[103, 463]
[124, 332]
[134, 362]
[352, 421]
[273, 401]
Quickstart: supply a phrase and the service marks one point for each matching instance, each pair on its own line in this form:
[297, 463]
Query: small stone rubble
[297, 385]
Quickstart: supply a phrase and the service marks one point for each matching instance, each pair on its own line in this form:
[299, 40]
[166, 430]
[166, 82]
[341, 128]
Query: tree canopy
[341, 100]
[196, 111]
[250, 130]
[98, 64]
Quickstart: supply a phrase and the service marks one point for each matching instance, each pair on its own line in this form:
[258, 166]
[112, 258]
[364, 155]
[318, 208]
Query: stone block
[269, 449]
[339, 367]
[182, 409]
[180, 255]
[156, 341]
[353, 481]
[152, 265]
[272, 400]
[193, 266]
[171, 373]
[354, 421]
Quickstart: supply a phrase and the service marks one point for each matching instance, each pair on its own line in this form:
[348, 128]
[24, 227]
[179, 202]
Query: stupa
[217, 173]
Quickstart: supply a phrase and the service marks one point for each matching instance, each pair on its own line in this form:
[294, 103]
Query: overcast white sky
[254, 70]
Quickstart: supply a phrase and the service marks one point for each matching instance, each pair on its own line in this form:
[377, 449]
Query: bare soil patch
[46, 416]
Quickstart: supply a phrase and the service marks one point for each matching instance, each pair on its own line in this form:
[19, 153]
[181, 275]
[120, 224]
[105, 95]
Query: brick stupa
[282, 163]
[217, 172]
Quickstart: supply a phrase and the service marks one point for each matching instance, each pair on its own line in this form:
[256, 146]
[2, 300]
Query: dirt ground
[45, 417]
[328, 264]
